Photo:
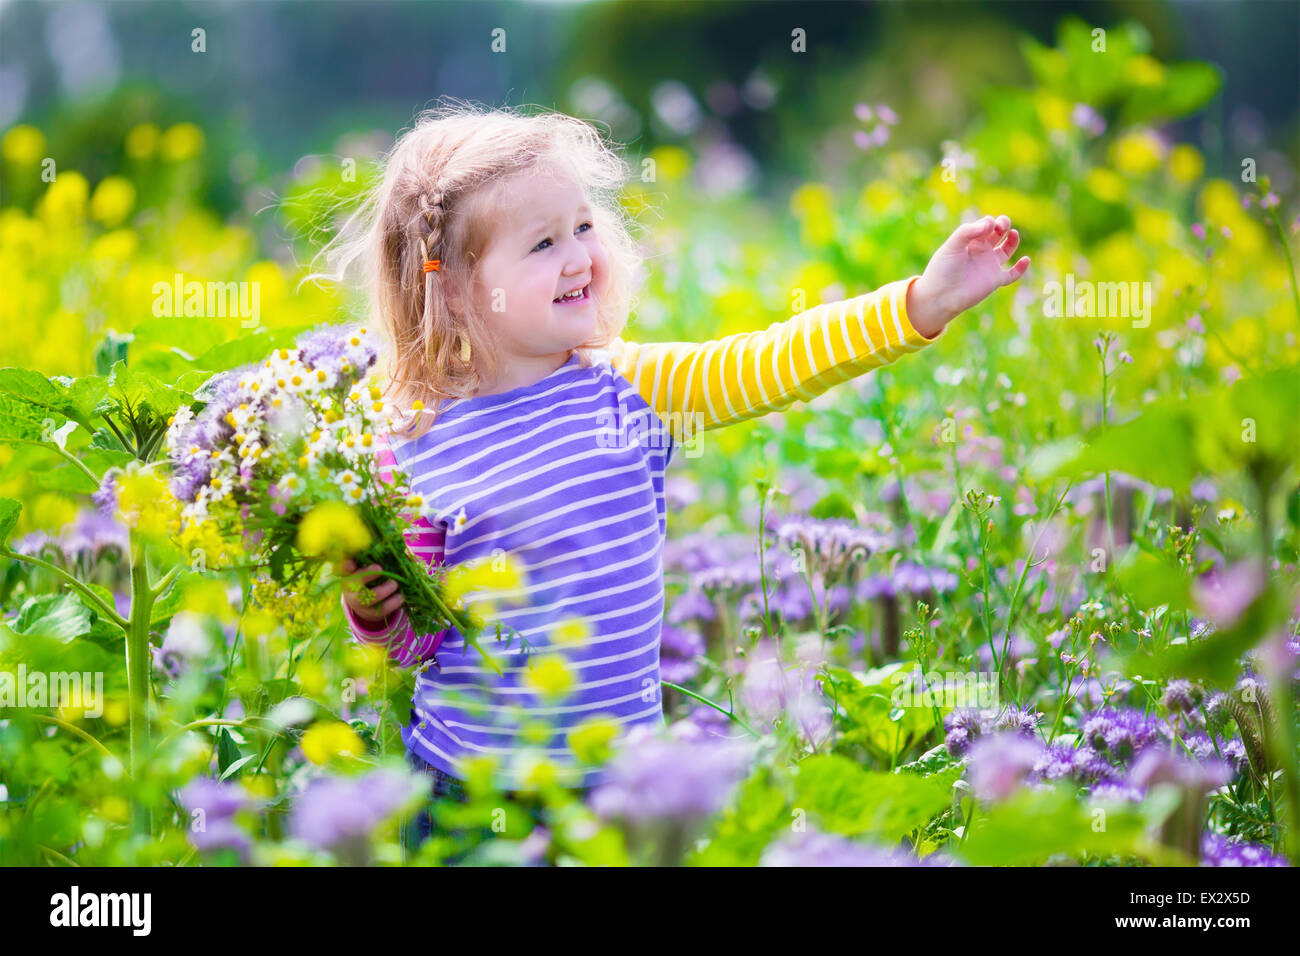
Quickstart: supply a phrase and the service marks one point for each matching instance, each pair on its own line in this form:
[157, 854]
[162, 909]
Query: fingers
[1016, 271]
[1009, 244]
[994, 227]
[381, 591]
[378, 613]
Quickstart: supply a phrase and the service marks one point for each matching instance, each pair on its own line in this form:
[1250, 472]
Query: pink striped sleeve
[405, 646]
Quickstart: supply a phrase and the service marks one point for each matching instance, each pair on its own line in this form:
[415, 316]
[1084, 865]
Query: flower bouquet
[278, 472]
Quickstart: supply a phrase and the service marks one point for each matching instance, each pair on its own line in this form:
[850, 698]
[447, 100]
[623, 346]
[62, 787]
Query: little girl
[500, 265]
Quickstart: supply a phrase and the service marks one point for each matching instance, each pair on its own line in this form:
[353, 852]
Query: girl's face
[544, 247]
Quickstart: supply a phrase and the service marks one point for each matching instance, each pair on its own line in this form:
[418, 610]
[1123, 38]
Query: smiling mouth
[574, 299]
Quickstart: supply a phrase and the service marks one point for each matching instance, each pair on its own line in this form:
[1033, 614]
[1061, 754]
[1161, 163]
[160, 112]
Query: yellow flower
[549, 674]
[326, 740]
[540, 775]
[142, 141]
[536, 732]
[1185, 163]
[332, 530]
[311, 676]
[1144, 70]
[113, 199]
[1026, 150]
[591, 739]
[65, 200]
[116, 246]
[115, 711]
[502, 573]
[571, 633]
[23, 146]
[1137, 153]
[1053, 111]
[145, 502]
[1106, 185]
[181, 142]
[812, 204]
[260, 786]
[1154, 225]
[114, 808]
[877, 196]
[671, 162]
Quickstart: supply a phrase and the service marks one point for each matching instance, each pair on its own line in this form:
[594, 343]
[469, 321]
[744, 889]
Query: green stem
[84, 590]
[78, 462]
[1290, 266]
[74, 729]
[705, 700]
[137, 673]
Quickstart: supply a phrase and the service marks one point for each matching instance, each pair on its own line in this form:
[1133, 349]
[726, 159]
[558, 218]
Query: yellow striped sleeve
[727, 380]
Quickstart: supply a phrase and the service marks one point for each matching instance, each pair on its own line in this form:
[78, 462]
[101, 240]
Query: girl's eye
[589, 226]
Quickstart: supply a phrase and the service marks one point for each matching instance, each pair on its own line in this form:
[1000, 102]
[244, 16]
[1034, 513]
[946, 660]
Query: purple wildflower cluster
[195, 442]
[339, 814]
[212, 806]
[829, 547]
[814, 848]
[1122, 752]
[1218, 851]
[659, 778]
[965, 725]
[86, 537]
[773, 690]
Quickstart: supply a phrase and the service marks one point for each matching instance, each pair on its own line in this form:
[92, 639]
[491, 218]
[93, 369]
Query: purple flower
[1224, 595]
[654, 778]
[105, 496]
[1182, 696]
[1119, 733]
[814, 848]
[91, 533]
[679, 653]
[829, 547]
[692, 604]
[1217, 851]
[216, 799]
[1088, 119]
[186, 641]
[339, 814]
[1198, 231]
[963, 725]
[1000, 764]
[771, 690]
[332, 347]
[1156, 765]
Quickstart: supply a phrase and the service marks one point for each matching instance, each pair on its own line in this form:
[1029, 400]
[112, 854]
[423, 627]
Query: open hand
[371, 602]
[964, 271]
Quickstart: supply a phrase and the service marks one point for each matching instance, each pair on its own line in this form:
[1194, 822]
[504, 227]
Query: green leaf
[248, 348]
[756, 815]
[65, 478]
[9, 511]
[1187, 87]
[60, 616]
[1034, 825]
[1151, 580]
[235, 766]
[66, 398]
[228, 752]
[24, 422]
[851, 801]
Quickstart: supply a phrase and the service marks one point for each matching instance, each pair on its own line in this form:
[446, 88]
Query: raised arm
[405, 646]
[710, 384]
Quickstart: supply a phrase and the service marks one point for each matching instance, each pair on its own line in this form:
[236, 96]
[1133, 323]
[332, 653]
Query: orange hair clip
[431, 265]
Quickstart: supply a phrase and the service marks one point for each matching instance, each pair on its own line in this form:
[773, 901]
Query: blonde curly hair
[439, 196]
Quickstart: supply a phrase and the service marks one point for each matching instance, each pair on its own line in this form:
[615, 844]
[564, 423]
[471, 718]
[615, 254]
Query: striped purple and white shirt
[566, 476]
